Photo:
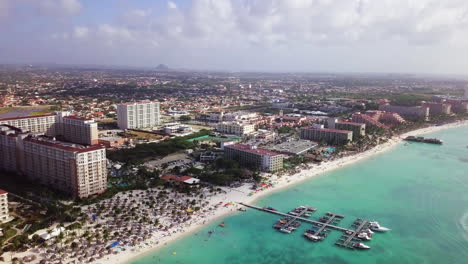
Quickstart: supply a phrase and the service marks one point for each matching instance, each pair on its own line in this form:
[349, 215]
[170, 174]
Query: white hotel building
[138, 115]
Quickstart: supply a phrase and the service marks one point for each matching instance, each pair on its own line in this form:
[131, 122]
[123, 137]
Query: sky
[397, 36]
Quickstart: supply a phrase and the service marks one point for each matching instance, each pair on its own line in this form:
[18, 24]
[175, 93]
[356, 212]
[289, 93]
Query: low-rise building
[263, 159]
[330, 136]
[235, 128]
[409, 112]
[370, 121]
[359, 129]
[294, 147]
[112, 142]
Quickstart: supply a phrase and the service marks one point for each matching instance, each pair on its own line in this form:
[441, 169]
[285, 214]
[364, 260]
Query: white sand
[240, 194]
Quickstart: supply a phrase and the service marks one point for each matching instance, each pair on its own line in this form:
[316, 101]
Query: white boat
[312, 237]
[375, 226]
[369, 232]
[284, 230]
[361, 246]
[364, 236]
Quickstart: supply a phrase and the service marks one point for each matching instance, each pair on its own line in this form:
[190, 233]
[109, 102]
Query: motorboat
[312, 237]
[361, 246]
[364, 236]
[375, 226]
[287, 230]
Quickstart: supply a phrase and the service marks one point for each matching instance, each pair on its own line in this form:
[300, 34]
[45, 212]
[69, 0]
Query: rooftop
[24, 117]
[350, 123]
[3, 192]
[253, 149]
[328, 130]
[63, 145]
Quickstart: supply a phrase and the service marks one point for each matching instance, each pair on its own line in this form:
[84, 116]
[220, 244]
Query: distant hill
[162, 67]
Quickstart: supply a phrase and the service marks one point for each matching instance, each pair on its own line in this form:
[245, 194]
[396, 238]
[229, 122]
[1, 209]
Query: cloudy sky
[415, 36]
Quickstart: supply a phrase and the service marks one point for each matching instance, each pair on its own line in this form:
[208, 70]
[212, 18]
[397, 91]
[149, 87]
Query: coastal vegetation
[143, 152]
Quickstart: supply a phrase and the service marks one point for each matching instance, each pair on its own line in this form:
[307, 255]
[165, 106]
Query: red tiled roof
[3, 192]
[328, 130]
[24, 117]
[349, 123]
[175, 178]
[248, 148]
[64, 147]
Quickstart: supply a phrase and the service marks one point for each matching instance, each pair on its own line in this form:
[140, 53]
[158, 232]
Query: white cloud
[81, 32]
[171, 5]
[4, 8]
[57, 7]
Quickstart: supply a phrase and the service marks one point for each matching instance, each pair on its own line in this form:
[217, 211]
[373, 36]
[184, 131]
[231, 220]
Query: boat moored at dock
[424, 140]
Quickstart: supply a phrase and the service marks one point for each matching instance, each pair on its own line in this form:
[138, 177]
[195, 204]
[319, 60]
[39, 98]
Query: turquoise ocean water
[418, 190]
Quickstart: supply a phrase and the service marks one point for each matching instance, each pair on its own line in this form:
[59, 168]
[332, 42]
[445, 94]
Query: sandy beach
[225, 203]
[241, 195]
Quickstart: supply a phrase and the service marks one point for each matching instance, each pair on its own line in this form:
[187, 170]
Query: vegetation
[225, 172]
[143, 152]
[185, 118]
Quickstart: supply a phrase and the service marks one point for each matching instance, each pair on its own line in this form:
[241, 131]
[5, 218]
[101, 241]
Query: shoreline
[282, 182]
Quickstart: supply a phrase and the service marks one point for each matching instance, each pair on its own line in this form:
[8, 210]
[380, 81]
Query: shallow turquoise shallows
[418, 190]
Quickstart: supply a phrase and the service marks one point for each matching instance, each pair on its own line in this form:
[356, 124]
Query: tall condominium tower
[138, 115]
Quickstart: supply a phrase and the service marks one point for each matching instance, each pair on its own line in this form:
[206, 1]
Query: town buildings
[263, 159]
[138, 115]
[4, 215]
[235, 128]
[330, 136]
[409, 112]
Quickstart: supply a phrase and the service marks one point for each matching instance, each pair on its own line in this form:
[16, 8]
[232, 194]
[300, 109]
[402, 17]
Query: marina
[352, 238]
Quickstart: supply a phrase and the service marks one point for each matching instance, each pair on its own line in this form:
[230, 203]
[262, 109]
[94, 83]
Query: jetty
[325, 224]
[300, 218]
[346, 239]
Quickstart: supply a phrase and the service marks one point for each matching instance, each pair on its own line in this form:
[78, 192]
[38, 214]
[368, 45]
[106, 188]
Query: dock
[332, 216]
[324, 225]
[345, 240]
[339, 228]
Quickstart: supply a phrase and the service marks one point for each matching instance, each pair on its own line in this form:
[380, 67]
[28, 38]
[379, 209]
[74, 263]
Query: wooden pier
[332, 216]
[294, 217]
[324, 225]
[348, 239]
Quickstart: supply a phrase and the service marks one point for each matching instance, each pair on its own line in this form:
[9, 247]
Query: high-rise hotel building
[138, 115]
[79, 130]
[36, 124]
[4, 216]
[72, 168]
